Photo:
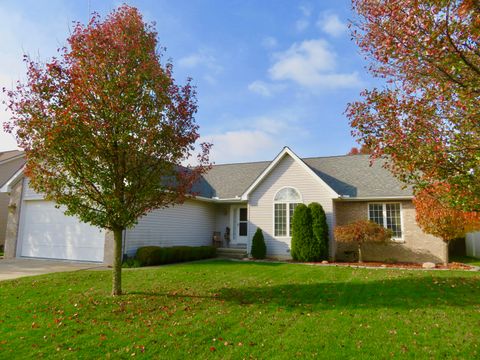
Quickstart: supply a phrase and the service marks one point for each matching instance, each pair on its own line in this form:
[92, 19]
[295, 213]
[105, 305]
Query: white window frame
[288, 203]
[384, 215]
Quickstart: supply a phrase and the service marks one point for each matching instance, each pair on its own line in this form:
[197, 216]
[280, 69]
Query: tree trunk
[117, 262]
[360, 257]
[445, 252]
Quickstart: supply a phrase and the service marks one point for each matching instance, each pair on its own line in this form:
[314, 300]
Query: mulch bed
[451, 266]
[372, 264]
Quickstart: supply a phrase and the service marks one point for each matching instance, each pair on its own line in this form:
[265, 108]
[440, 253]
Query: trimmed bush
[259, 249]
[131, 262]
[320, 229]
[156, 255]
[304, 245]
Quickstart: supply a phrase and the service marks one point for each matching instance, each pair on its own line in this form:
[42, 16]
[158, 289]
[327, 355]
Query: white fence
[472, 244]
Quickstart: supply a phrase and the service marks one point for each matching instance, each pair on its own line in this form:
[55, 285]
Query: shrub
[259, 249]
[320, 229]
[131, 262]
[304, 244]
[156, 255]
[360, 232]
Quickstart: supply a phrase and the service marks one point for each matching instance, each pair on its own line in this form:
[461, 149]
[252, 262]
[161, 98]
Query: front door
[240, 226]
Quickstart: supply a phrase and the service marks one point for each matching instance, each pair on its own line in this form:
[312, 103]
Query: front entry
[240, 225]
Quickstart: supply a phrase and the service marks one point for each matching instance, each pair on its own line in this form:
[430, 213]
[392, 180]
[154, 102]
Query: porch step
[232, 253]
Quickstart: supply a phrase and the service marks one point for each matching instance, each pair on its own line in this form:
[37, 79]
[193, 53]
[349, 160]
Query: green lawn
[221, 309]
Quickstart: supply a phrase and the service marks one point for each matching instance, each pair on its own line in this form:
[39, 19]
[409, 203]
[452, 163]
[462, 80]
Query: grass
[234, 310]
[466, 260]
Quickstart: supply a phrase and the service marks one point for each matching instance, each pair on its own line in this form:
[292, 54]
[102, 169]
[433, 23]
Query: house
[240, 197]
[10, 163]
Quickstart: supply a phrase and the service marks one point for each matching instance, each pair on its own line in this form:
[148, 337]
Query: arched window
[285, 201]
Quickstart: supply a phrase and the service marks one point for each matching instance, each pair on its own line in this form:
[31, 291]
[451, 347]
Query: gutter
[218, 200]
[7, 187]
[373, 198]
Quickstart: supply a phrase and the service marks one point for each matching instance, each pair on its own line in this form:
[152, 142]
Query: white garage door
[48, 233]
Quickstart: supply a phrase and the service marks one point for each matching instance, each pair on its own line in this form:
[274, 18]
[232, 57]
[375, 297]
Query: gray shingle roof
[229, 180]
[349, 175]
[10, 163]
[352, 175]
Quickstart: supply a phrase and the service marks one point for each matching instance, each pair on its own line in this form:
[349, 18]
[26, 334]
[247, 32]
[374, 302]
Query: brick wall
[417, 246]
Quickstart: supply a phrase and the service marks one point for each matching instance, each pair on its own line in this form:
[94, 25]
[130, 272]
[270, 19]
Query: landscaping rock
[324, 262]
[428, 265]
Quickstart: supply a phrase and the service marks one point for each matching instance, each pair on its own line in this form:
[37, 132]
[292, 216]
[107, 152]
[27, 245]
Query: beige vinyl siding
[287, 173]
[222, 219]
[30, 194]
[189, 224]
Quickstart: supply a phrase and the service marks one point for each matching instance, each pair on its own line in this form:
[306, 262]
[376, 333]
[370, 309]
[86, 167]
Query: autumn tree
[363, 150]
[425, 120]
[105, 127]
[438, 219]
[361, 232]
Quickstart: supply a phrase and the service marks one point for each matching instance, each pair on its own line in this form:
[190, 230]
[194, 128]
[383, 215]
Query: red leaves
[105, 128]
[425, 122]
[362, 231]
[105, 124]
[436, 218]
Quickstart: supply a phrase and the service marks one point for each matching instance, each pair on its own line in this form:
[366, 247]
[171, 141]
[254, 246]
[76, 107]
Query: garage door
[48, 233]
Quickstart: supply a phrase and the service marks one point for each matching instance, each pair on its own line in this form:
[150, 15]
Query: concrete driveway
[16, 268]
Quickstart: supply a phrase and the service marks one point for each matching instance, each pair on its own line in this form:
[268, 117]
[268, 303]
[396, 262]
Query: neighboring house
[242, 197]
[10, 163]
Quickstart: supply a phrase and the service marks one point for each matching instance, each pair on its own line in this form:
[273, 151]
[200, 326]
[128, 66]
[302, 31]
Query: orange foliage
[361, 232]
[438, 219]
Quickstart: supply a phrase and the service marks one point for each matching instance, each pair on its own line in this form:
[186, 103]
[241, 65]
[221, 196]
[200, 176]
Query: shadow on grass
[404, 293]
[223, 262]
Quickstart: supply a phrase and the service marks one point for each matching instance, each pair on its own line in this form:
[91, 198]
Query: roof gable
[287, 152]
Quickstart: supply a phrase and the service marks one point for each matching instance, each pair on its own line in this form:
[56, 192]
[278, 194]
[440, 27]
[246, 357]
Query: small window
[285, 202]
[387, 215]
[242, 222]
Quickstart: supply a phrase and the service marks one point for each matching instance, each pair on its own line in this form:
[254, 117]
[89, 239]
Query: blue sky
[268, 73]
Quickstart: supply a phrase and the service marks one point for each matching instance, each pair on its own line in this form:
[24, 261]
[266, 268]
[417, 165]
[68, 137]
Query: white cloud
[240, 145]
[304, 21]
[313, 64]
[201, 58]
[306, 10]
[301, 24]
[331, 24]
[265, 89]
[269, 42]
[260, 87]
[259, 138]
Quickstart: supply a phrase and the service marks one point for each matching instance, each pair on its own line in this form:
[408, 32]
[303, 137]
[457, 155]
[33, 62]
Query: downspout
[124, 244]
